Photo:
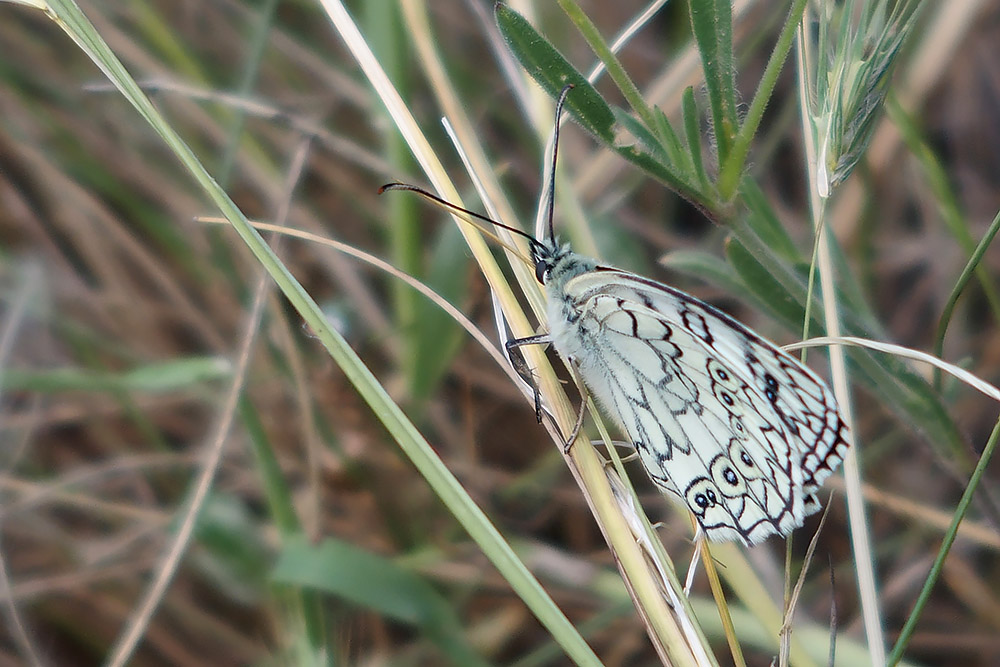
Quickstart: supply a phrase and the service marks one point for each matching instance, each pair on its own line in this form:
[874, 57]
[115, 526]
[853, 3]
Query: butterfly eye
[541, 269]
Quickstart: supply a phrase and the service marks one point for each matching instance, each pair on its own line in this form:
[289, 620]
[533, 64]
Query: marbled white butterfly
[741, 431]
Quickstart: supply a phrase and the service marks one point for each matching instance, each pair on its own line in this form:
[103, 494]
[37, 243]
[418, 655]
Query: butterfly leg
[576, 428]
[522, 368]
[579, 417]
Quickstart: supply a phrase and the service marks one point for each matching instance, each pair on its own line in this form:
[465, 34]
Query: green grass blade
[963, 280]
[435, 330]
[76, 25]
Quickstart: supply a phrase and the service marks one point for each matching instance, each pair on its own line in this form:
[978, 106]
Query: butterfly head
[555, 262]
[544, 255]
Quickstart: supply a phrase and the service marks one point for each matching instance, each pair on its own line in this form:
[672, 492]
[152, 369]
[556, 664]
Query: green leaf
[553, 72]
[368, 580]
[692, 131]
[712, 24]
[647, 138]
[669, 140]
[176, 374]
[231, 550]
[667, 161]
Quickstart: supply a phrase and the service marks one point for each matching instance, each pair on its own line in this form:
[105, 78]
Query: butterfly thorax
[555, 266]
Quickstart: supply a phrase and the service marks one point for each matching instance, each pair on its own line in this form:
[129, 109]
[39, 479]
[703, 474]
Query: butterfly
[742, 432]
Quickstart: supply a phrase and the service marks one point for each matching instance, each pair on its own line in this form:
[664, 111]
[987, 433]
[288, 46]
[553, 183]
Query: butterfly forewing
[737, 428]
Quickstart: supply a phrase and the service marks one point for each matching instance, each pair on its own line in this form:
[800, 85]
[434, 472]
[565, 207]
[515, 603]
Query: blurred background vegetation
[124, 317]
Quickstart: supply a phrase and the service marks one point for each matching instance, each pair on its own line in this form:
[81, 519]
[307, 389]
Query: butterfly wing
[739, 429]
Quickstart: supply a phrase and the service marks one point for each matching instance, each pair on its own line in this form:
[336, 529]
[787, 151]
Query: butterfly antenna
[552, 169]
[532, 242]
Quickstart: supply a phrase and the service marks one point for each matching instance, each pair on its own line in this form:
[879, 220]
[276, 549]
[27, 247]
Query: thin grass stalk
[864, 556]
[251, 68]
[861, 543]
[634, 26]
[384, 27]
[735, 568]
[28, 291]
[965, 376]
[645, 535]
[499, 206]
[720, 602]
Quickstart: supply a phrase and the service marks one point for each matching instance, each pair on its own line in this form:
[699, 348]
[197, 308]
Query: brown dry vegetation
[108, 284]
